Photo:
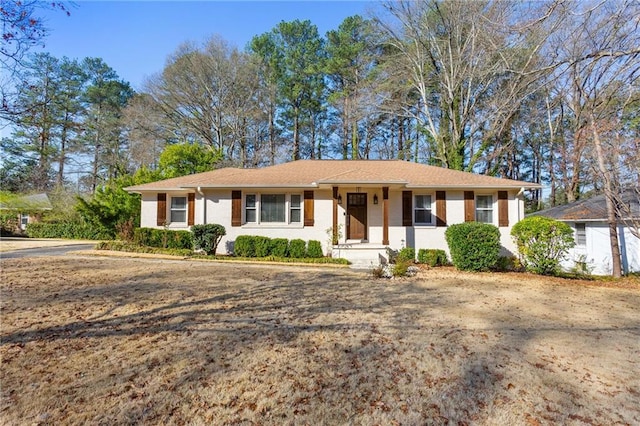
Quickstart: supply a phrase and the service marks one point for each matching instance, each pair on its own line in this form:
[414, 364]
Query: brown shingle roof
[594, 208]
[314, 173]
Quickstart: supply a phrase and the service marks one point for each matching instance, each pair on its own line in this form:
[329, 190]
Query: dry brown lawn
[138, 341]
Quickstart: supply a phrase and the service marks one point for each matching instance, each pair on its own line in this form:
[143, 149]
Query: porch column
[385, 215]
[335, 215]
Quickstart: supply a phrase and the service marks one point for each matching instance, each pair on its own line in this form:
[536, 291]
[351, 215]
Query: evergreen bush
[244, 246]
[163, 238]
[70, 230]
[407, 254]
[279, 247]
[262, 246]
[314, 249]
[297, 248]
[432, 257]
[207, 237]
[542, 243]
[474, 246]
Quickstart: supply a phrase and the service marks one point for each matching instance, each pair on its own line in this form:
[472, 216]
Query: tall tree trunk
[345, 129]
[272, 135]
[610, 199]
[296, 135]
[62, 156]
[312, 121]
[354, 141]
[400, 138]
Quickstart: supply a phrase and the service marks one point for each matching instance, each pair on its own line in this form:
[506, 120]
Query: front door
[356, 216]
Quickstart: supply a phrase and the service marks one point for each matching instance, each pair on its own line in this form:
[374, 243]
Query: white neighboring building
[374, 204]
[588, 218]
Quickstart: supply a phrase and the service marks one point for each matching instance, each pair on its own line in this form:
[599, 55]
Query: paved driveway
[22, 247]
[44, 251]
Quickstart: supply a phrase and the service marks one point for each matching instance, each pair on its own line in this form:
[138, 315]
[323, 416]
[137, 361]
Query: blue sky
[135, 38]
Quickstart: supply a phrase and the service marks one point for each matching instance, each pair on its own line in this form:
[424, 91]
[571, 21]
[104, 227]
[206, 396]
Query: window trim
[430, 209]
[299, 208]
[185, 209]
[24, 220]
[254, 208]
[485, 209]
[578, 233]
[258, 209]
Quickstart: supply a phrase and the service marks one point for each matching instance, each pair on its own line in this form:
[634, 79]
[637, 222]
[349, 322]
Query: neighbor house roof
[591, 209]
[27, 202]
[325, 173]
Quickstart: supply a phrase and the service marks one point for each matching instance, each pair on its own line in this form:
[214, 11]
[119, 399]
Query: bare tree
[472, 64]
[604, 64]
[207, 93]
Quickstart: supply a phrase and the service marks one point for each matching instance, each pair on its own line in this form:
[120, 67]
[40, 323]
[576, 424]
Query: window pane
[295, 215]
[295, 201]
[485, 216]
[178, 202]
[484, 202]
[251, 201]
[423, 216]
[581, 234]
[272, 208]
[423, 201]
[178, 216]
[250, 215]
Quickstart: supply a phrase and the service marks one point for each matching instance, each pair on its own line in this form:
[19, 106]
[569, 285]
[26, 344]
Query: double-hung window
[179, 209]
[250, 207]
[24, 220]
[581, 234]
[484, 208]
[422, 211]
[295, 209]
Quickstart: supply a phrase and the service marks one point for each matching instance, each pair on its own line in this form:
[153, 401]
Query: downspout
[204, 205]
[518, 198]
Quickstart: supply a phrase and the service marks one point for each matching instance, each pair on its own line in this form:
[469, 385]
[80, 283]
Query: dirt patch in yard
[111, 340]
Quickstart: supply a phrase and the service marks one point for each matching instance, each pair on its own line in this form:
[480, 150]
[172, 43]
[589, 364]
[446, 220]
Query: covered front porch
[361, 219]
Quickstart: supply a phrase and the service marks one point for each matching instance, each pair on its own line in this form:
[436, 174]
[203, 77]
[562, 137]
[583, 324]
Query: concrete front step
[361, 255]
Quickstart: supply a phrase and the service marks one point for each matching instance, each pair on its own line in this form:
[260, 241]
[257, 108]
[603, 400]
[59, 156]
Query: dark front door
[356, 216]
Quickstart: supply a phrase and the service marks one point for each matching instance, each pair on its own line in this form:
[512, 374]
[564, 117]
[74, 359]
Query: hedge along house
[367, 205]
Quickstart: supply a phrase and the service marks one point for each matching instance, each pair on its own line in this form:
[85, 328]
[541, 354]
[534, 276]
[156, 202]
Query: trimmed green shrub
[297, 248]
[474, 246]
[507, 264]
[163, 238]
[542, 243]
[279, 247]
[314, 249]
[244, 246]
[69, 230]
[401, 267]
[432, 257]
[407, 254]
[262, 246]
[207, 237]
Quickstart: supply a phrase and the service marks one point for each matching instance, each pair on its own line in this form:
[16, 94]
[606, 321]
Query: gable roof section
[590, 209]
[317, 173]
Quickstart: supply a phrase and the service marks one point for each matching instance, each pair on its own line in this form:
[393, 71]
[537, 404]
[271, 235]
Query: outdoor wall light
[339, 199]
[375, 198]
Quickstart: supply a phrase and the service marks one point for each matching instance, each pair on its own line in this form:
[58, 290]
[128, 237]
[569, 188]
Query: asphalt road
[44, 251]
